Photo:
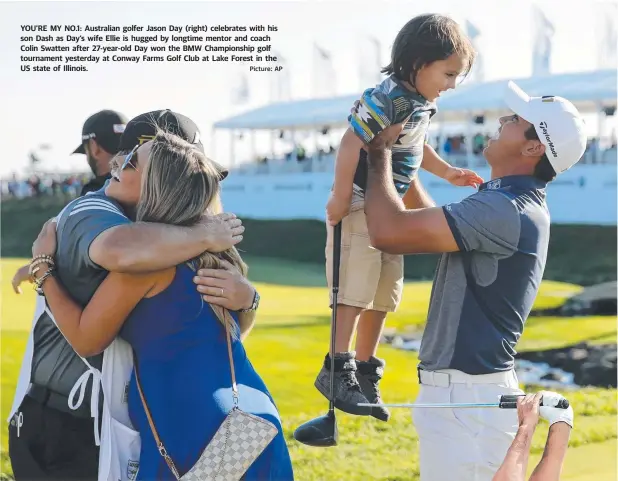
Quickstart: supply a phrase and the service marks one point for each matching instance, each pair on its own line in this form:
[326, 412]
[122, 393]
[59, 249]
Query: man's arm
[515, 463]
[392, 228]
[146, 247]
[98, 235]
[550, 466]
[487, 221]
[560, 425]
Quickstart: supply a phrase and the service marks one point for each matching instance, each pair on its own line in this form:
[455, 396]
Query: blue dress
[181, 349]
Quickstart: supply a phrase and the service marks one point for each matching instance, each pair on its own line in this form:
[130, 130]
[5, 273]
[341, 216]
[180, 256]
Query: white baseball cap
[557, 122]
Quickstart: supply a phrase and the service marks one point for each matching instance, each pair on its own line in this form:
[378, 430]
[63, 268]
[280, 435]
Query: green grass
[303, 240]
[288, 345]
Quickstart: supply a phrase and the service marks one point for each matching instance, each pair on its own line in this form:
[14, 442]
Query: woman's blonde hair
[179, 185]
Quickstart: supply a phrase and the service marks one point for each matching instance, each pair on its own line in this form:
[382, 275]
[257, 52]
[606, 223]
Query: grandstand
[466, 117]
[298, 183]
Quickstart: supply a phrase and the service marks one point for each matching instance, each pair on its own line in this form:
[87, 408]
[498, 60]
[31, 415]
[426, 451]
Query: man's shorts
[368, 278]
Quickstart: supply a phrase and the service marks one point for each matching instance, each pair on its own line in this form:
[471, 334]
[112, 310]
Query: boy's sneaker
[369, 374]
[347, 392]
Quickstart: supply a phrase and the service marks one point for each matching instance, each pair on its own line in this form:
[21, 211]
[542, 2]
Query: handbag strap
[223, 315]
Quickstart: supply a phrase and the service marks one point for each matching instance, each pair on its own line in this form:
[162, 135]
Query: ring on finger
[222, 290]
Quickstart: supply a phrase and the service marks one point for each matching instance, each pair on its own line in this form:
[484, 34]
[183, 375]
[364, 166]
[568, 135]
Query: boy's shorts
[368, 278]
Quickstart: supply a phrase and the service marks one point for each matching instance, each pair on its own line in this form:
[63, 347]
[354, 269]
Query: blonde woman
[179, 343]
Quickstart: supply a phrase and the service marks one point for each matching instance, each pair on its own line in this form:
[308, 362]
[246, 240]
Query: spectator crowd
[40, 184]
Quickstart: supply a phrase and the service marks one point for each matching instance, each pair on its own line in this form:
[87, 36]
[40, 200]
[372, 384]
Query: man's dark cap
[105, 127]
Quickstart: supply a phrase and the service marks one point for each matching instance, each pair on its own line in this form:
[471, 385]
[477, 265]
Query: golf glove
[553, 414]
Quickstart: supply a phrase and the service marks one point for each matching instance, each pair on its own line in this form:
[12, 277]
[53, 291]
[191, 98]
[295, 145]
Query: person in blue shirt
[179, 342]
[494, 246]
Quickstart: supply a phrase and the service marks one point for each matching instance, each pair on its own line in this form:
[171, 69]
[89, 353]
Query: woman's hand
[22, 275]
[45, 243]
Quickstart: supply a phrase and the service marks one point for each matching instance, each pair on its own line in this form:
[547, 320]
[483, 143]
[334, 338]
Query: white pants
[465, 444]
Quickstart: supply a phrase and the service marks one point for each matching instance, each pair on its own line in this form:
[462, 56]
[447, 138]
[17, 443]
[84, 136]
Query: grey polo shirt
[55, 364]
[482, 295]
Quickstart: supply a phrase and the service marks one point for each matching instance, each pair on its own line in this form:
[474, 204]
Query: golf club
[507, 401]
[322, 431]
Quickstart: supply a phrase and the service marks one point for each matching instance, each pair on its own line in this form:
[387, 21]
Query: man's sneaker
[347, 392]
[369, 373]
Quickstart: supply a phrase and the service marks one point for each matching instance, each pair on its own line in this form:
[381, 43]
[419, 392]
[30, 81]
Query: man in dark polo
[494, 246]
[47, 439]
[100, 139]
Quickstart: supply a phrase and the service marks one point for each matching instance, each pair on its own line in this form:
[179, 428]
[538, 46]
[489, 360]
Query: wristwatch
[254, 304]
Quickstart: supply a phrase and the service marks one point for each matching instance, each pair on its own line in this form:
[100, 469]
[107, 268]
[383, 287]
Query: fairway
[287, 348]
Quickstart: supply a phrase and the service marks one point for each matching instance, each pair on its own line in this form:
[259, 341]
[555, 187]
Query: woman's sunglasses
[127, 159]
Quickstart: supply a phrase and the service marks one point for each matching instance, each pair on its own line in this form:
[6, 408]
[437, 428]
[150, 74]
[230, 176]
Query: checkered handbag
[238, 442]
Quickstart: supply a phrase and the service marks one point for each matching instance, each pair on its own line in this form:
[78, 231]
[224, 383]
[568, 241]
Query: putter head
[319, 432]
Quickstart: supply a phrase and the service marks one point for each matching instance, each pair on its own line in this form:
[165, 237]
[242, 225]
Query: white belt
[446, 377]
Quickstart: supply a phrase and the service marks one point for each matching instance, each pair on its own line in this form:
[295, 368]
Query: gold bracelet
[34, 271]
[35, 266]
[38, 260]
[42, 256]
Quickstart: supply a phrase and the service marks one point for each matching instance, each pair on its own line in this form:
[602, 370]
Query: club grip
[509, 401]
